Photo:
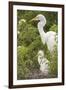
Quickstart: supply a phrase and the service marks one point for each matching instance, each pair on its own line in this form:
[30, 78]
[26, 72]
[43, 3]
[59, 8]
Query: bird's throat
[41, 32]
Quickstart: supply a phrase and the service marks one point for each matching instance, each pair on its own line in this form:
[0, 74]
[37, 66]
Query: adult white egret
[47, 37]
[43, 62]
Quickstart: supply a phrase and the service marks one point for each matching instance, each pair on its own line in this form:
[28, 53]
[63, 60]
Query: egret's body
[43, 62]
[46, 37]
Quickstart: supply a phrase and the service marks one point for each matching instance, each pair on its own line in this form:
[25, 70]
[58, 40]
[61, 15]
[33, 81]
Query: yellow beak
[34, 19]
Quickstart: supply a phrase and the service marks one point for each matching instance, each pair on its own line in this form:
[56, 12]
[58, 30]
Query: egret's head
[40, 53]
[40, 18]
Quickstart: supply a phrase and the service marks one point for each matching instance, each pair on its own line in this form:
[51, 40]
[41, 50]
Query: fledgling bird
[43, 62]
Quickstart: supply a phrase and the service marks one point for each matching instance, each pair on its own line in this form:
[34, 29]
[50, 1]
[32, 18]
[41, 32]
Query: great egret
[43, 62]
[47, 37]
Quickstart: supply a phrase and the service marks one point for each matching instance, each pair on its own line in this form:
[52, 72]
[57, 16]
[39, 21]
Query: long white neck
[41, 31]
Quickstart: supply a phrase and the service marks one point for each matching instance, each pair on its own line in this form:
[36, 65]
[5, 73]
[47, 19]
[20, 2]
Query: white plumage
[49, 37]
[43, 62]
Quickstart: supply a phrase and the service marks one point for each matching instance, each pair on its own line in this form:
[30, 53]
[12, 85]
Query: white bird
[43, 62]
[47, 37]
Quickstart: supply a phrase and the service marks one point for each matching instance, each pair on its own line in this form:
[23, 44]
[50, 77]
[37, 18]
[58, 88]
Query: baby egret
[47, 37]
[43, 62]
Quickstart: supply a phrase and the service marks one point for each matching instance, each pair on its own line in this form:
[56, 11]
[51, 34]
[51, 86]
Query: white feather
[43, 62]
[50, 37]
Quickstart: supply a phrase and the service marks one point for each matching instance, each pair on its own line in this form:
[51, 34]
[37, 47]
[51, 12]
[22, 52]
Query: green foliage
[29, 43]
[54, 27]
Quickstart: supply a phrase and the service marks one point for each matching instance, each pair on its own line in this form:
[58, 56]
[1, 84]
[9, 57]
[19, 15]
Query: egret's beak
[34, 19]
